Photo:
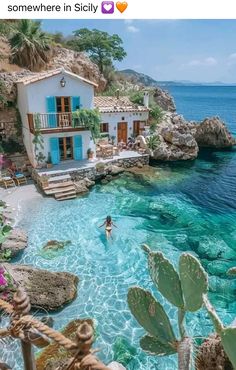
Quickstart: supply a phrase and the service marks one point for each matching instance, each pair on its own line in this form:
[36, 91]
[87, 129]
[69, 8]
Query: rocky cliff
[181, 140]
[73, 61]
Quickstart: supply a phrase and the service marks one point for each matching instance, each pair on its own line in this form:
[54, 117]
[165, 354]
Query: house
[46, 102]
[121, 118]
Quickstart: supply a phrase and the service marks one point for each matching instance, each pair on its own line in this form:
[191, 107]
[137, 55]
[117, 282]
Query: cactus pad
[150, 314]
[194, 281]
[154, 347]
[166, 278]
[228, 339]
[213, 315]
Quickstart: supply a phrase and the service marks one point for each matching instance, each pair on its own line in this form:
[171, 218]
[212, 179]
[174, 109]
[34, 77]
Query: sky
[167, 50]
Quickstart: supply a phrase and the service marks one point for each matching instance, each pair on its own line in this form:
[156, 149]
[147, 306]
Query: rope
[90, 362]
[49, 332]
[6, 307]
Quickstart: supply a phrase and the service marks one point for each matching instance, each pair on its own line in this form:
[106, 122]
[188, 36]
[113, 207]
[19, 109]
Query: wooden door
[63, 104]
[122, 132]
[66, 148]
[136, 130]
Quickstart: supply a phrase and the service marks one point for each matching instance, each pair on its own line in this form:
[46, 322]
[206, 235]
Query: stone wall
[8, 125]
[93, 174]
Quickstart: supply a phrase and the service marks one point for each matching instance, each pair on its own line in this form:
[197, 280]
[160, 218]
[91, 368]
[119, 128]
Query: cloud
[133, 29]
[206, 62]
[232, 56]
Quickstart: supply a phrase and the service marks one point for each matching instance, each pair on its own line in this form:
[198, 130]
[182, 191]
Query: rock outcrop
[180, 139]
[46, 290]
[16, 242]
[164, 100]
[213, 133]
[175, 140]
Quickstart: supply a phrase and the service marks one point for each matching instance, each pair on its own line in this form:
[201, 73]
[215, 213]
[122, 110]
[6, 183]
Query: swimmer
[108, 226]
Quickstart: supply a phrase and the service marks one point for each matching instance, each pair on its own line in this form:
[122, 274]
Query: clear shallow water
[187, 206]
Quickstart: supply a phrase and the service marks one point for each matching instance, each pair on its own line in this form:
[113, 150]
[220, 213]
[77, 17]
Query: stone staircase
[61, 187]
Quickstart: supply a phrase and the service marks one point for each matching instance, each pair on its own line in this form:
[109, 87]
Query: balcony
[54, 122]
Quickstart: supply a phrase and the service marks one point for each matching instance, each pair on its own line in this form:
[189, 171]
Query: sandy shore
[17, 198]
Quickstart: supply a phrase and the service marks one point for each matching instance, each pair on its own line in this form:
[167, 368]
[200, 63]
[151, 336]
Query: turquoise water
[187, 206]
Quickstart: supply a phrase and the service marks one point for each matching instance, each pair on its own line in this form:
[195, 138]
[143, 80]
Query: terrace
[54, 122]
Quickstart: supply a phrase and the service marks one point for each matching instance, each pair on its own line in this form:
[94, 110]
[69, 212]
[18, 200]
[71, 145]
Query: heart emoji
[122, 6]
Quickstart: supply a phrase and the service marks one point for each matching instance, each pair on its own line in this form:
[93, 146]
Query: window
[104, 127]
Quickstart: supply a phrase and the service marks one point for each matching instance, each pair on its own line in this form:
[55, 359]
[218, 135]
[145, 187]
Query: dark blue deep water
[186, 206]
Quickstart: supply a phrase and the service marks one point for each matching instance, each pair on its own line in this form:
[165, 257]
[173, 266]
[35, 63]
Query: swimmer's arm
[102, 224]
[114, 225]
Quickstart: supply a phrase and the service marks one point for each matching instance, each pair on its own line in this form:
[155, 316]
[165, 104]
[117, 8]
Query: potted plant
[49, 161]
[90, 153]
[40, 160]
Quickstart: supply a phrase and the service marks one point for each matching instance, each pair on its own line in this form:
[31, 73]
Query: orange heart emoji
[122, 6]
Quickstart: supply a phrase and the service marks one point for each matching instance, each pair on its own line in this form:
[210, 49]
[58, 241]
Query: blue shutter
[75, 103]
[54, 150]
[78, 148]
[51, 108]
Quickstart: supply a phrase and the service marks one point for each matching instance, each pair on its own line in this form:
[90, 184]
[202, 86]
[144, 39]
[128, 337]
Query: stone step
[58, 185]
[59, 178]
[59, 190]
[65, 194]
[67, 197]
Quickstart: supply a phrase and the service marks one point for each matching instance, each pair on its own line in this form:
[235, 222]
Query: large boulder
[213, 133]
[164, 100]
[176, 141]
[46, 290]
[16, 242]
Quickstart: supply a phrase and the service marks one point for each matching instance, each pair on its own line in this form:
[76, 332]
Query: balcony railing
[52, 121]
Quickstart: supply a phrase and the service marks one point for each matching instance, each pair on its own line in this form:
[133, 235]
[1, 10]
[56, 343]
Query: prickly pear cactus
[194, 282]
[227, 335]
[185, 349]
[166, 278]
[154, 347]
[228, 339]
[150, 314]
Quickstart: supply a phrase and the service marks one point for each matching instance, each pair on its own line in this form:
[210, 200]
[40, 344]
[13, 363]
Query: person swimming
[108, 226]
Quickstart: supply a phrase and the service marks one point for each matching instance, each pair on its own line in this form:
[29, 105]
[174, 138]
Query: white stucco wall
[37, 92]
[114, 118]
[22, 103]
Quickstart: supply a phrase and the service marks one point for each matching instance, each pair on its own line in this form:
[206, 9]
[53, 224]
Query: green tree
[100, 46]
[30, 46]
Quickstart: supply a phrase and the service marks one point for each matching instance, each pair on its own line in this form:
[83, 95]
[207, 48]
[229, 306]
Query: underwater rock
[4, 366]
[56, 245]
[55, 355]
[213, 248]
[16, 242]
[46, 290]
[218, 267]
[124, 353]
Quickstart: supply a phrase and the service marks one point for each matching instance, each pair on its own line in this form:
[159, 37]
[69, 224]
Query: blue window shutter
[78, 148]
[75, 103]
[51, 108]
[54, 150]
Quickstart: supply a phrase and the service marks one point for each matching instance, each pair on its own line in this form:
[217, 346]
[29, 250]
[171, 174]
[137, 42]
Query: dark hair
[108, 218]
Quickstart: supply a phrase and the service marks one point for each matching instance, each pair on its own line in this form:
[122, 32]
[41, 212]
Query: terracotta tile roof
[54, 72]
[112, 104]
